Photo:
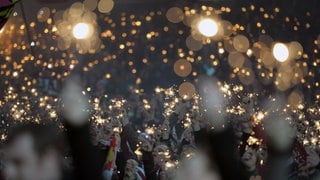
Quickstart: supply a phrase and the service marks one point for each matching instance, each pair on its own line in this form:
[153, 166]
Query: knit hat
[145, 137]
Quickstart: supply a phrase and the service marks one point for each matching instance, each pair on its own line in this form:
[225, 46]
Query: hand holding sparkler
[146, 142]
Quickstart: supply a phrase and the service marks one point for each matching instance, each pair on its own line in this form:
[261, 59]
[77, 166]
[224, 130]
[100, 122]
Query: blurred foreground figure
[34, 150]
[75, 118]
[34, 153]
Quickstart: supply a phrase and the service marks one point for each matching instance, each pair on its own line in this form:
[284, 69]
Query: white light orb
[280, 52]
[81, 31]
[208, 27]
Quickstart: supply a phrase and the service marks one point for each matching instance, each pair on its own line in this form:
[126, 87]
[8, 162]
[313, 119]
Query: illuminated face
[160, 154]
[249, 159]
[23, 163]
[165, 129]
[130, 170]
[101, 132]
[246, 125]
[124, 120]
[188, 135]
[106, 131]
[238, 130]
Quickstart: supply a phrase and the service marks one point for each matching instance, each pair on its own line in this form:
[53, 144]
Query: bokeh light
[187, 90]
[208, 27]
[105, 6]
[246, 76]
[227, 27]
[81, 31]
[236, 59]
[91, 5]
[193, 44]
[295, 98]
[182, 68]
[175, 15]
[143, 50]
[295, 49]
[43, 14]
[280, 52]
[241, 43]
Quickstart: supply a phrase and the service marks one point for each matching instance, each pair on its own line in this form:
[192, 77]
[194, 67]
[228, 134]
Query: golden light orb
[105, 6]
[187, 90]
[182, 68]
[175, 15]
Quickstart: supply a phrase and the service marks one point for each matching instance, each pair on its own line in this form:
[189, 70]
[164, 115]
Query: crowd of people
[122, 132]
[132, 140]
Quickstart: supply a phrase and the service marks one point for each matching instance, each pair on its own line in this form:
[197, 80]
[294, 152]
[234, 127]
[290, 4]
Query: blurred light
[208, 27]
[280, 52]
[105, 6]
[193, 44]
[249, 52]
[221, 50]
[241, 43]
[187, 90]
[236, 59]
[91, 5]
[182, 68]
[175, 15]
[43, 14]
[81, 31]
[15, 74]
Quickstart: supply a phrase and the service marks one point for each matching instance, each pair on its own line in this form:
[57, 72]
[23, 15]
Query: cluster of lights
[79, 25]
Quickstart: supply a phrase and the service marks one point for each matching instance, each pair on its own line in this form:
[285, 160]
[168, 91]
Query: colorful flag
[6, 7]
[111, 156]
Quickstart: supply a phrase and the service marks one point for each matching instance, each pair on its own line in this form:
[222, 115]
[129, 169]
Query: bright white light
[208, 27]
[71, 66]
[280, 52]
[221, 50]
[81, 31]
[249, 52]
